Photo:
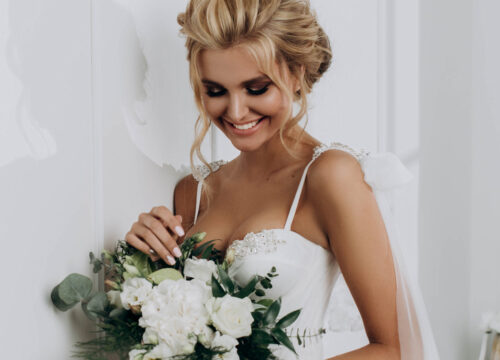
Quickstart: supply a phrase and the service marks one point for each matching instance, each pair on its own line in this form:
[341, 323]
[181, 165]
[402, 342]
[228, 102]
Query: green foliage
[96, 306]
[163, 274]
[71, 291]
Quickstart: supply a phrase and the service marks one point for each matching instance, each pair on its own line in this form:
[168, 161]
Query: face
[239, 99]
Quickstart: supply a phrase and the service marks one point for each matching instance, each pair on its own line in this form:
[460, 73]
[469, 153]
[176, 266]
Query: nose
[237, 108]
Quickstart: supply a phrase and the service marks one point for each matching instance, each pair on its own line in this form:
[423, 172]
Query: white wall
[460, 173]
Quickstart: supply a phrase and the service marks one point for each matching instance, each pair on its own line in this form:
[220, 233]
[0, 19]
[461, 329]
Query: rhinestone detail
[358, 154]
[265, 241]
[202, 170]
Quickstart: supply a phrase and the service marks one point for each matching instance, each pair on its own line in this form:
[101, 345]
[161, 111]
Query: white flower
[230, 255]
[175, 314]
[225, 342]
[206, 336]
[136, 354]
[115, 299]
[159, 352]
[135, 292]
[231, 316]
[200, 269]
[150, 336]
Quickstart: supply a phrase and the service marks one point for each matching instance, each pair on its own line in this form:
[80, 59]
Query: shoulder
[335, 168]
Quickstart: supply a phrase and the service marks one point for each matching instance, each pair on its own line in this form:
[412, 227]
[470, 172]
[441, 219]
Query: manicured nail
[177, 252]
[170, 260]
[179, 230]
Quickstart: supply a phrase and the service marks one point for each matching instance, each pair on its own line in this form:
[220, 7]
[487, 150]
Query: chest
[237, 210]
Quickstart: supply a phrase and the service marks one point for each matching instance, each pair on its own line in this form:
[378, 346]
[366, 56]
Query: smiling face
[241, 100]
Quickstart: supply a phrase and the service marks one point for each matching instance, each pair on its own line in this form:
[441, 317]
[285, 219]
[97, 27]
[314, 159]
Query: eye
[258, 91]
[215, 92]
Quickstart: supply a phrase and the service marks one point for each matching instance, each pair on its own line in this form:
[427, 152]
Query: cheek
[270, 103]
[214, 106]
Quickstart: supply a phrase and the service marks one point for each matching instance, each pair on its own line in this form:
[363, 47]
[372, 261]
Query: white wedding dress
[308, 272]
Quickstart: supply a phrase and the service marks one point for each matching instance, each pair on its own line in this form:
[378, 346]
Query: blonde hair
[285, 32]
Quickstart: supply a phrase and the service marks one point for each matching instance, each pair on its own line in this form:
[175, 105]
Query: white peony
[201, 269]
[136, 354]
[135, 292]
[231, 316]
[114, 298]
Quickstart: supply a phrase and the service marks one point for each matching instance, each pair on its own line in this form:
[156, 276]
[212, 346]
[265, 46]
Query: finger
[153, 224]
[147, 235]
[140, 245]
[168, 219]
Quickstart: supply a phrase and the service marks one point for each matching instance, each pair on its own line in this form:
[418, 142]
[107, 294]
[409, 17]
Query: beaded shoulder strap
[318, 150]
[200, 173]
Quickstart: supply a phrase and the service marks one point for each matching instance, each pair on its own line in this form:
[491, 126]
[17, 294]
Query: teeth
[246, 126]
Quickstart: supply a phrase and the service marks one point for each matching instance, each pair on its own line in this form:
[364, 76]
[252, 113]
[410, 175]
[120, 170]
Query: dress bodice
[306, 271]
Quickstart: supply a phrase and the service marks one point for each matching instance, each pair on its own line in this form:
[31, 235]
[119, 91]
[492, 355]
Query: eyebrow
[244, 83]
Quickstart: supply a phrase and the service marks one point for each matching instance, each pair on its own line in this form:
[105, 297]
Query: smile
[247, 125]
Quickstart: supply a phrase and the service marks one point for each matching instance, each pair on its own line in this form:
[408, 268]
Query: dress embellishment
[202, 170]
[264, 241]
[358, 154]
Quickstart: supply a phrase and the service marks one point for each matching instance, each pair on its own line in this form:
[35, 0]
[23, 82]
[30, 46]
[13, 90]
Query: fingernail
[170, 260]
[179, 230]
[177, 252]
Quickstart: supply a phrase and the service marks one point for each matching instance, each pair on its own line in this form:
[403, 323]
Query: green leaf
[141, 262]
[217, 290]
[70, 291]
[163, 274]
[265, 302]
[266, 283]
[248, 289]
[225, 279]
[200, 249]
[95, 305]
[288, 320]
[260, 292]
[262, 338]
[282, 337]
[272, 313]
[118, 314]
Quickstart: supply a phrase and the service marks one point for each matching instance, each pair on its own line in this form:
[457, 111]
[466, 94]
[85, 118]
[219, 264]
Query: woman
[287, 200]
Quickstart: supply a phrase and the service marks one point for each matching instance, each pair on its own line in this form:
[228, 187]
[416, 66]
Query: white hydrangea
[201, 269]
[231, 315]
[135, 292]
[175, 314]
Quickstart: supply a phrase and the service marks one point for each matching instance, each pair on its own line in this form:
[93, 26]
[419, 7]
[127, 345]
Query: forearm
[372, 352]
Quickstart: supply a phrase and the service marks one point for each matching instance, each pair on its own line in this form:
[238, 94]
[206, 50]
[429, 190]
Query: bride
[312, 210]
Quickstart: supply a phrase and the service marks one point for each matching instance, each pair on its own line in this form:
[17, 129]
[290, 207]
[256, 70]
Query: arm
[349, 215]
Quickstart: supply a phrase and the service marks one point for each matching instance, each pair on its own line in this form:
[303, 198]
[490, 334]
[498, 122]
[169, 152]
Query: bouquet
[191, 310]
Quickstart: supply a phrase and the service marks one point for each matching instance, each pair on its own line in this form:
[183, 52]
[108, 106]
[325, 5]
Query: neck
[268, 158]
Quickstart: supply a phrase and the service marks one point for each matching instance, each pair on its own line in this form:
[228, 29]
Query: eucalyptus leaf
[95, 305]
[163, 274]
[282, 337]
[261, 337]
[70, 291]
[265, 302]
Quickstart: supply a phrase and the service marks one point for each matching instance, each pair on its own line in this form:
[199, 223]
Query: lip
[246, 132]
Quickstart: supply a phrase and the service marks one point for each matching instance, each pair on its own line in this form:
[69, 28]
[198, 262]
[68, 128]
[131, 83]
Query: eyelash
[250, 92]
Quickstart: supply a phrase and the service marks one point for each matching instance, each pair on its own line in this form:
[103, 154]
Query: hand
[156, 234]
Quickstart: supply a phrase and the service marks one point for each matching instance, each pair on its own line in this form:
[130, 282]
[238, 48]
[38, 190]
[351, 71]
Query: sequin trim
[202, 171]
[358, 154]
[265, 241]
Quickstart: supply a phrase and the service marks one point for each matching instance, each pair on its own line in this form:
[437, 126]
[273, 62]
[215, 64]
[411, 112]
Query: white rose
[201, 269]
[114, 298]
[135, 292]
[136, 354]
[231, 316]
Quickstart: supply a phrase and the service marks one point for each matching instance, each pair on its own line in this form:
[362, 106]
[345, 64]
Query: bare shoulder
[185, 199]
[334, 168]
